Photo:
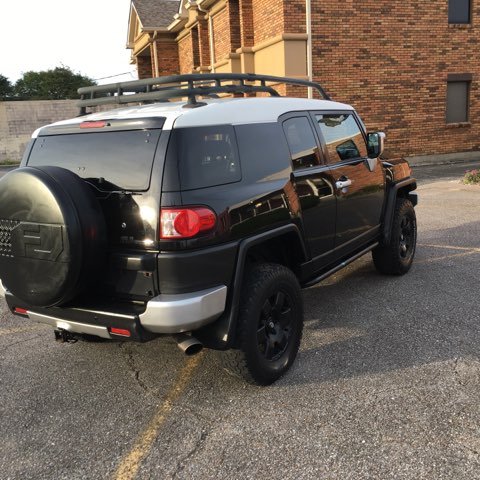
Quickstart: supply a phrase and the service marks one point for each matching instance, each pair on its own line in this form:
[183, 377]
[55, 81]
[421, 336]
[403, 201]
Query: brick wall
[234, 19]
[246, 23]
[221, 34]
[185, 54]
[391, 61]
[203, 42]
[294, 16]
[144, 67]
[268, 19]
[167, 53]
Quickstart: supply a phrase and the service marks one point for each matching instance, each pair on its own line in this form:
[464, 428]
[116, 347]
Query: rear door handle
[340, 184]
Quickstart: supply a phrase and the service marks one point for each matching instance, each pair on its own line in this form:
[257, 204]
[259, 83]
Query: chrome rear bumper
[69, 326]
[165, 314]
[184, 312]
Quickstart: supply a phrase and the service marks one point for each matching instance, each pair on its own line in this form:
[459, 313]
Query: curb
[444, 159]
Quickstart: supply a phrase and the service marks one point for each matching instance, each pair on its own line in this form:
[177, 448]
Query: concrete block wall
[18, 120]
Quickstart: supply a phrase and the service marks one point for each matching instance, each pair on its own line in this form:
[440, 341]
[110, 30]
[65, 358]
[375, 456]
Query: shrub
[8, 162]
[472, 177]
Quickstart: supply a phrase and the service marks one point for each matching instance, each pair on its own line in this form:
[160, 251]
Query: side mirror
[376, 142]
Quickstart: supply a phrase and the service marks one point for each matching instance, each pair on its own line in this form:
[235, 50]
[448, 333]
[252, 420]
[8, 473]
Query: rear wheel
[269, 327]
[397, 257]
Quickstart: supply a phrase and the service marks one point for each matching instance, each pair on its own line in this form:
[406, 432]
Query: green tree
[6, 88]
[61, 83]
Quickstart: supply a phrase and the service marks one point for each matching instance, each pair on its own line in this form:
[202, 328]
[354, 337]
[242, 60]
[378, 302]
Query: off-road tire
[270, 325]
[396, 258]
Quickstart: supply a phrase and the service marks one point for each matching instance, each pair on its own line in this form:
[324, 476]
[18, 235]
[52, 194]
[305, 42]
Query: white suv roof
[234, 111]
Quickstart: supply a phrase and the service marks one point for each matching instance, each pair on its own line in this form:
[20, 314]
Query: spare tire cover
[52, 235]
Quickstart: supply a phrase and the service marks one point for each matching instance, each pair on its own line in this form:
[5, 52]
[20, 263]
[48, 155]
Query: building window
[458, 93]
[459, 11]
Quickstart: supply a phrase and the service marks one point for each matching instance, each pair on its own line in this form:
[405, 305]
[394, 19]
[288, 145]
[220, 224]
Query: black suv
[201, 219]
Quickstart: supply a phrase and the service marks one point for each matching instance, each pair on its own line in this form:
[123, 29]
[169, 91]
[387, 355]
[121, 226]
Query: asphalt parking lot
[386, 385]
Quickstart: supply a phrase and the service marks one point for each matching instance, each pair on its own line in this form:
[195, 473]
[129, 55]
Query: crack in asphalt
[198, 446]
[128, 468]
[130, 360]
[26, 340]
[194, 413]
[456, 372]
[17, 330]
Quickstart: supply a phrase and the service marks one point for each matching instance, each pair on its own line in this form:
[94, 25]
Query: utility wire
[117, 75]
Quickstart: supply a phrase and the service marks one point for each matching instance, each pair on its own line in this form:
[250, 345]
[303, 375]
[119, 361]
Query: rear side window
[123, 159]
[207, 156]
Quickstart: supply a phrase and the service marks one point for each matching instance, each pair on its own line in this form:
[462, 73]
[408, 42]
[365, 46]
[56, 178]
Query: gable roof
[154, 14]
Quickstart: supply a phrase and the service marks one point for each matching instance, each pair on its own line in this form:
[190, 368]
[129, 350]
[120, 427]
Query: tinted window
[123, 158]
[207, 156]
[459, 11]
[263, 152]
[301, 142]
[342, 136]
[457, 102]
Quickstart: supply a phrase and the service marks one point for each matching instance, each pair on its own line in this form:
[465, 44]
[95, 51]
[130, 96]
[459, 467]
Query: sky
[88, 36]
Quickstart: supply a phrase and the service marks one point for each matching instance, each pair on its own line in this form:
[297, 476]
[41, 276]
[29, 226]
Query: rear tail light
[181, 223]
[20, 311]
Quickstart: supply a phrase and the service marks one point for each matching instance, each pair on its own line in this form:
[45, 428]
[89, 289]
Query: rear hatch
[115, 158]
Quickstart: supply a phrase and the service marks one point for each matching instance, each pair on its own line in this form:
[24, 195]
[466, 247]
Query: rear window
[122, 158]
[207, 156]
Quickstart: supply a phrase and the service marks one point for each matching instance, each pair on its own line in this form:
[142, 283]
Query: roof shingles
[156, 13]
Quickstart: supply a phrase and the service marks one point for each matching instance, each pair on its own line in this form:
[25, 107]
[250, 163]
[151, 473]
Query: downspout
[308, 14]
[210, 37]
[155, 60]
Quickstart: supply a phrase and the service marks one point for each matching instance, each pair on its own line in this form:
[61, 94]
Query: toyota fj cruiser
[200, 218]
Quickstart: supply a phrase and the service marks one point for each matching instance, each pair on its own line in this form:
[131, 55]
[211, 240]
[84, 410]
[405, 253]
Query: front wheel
[396, 258]
[269, 327]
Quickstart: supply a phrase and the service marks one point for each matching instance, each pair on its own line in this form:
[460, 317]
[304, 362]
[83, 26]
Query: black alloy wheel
[407, 236]
[396, 257]
[269, 326]
[275, 325]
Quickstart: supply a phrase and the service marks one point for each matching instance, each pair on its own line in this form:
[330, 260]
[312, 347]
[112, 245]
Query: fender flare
[409, 184]
[224, 328]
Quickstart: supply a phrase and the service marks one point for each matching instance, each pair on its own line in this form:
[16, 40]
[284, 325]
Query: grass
[471, 177]
[9, 163]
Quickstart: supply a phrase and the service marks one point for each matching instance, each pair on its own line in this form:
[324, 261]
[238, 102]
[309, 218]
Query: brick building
[410, 68]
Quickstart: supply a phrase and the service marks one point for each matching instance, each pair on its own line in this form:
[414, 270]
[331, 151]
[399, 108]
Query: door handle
[341, 184]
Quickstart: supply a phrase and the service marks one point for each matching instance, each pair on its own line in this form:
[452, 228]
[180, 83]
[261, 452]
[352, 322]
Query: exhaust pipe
[187, 344]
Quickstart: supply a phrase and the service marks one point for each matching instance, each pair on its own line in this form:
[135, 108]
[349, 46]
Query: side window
[301, 142]
[207, 156]
[343, 137]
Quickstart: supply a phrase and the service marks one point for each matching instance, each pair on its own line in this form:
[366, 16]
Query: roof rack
[180, 86]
